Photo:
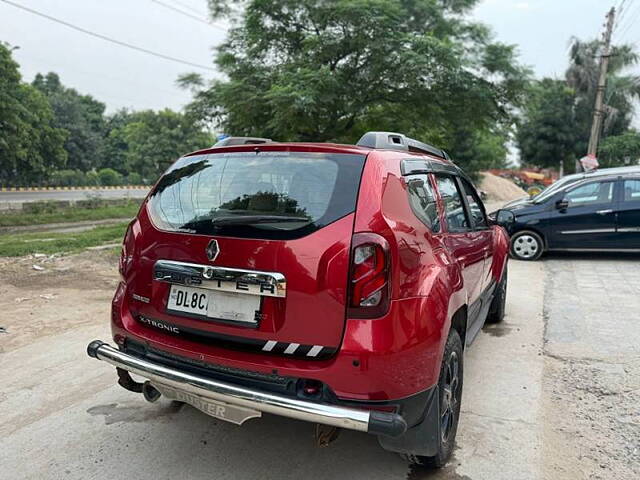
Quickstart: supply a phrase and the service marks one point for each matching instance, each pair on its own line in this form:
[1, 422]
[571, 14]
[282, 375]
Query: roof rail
[229, 141]
[398, 141]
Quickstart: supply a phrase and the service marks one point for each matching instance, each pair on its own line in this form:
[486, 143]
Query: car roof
[284, 147]
[608, 171]
[316, 147]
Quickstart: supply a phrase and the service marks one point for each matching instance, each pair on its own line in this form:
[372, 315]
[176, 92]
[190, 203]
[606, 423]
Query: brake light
[369, 278]
[126, 254]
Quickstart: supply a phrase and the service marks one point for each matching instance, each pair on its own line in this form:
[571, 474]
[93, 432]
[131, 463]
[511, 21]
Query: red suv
[336, 284]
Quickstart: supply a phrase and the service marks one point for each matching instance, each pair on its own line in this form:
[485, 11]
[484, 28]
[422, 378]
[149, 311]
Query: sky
[121, 77]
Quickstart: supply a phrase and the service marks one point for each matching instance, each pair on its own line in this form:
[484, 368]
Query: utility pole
[598, 112]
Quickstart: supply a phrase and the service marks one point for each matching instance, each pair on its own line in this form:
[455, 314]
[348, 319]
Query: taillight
[369, 276]
[126, 254]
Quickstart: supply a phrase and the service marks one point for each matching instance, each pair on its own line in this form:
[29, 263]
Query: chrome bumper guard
[374, 422]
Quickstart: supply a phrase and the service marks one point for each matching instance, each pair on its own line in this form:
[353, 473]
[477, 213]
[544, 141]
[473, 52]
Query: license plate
[223, 411]
[228, 306]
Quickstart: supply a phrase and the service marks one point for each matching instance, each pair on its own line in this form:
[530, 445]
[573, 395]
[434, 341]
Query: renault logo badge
[213, 250]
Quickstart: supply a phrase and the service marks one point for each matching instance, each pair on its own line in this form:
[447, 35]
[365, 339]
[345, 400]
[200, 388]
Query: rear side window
[271, 195]
[423, 202]
[631, 191]
[453, 207]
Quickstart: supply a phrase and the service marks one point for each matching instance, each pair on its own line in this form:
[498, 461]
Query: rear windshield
[271, 195]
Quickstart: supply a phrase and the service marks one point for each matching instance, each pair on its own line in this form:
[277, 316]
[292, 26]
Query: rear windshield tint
[271, 195]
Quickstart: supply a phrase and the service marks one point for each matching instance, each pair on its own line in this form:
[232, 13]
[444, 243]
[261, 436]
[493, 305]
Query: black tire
[498, 304]
[449, 398]
[527, 245]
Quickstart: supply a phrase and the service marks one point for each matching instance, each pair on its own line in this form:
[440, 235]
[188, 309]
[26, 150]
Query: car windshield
[256, 195]
[553, 188]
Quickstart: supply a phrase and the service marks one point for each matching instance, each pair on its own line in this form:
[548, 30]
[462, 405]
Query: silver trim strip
[251, 282]
[629, 229]
[595, 230]
[291, 349]
[344, 417]
[315, 350]
[269, 345]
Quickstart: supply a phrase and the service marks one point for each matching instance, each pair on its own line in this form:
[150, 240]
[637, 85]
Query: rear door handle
[604, 212]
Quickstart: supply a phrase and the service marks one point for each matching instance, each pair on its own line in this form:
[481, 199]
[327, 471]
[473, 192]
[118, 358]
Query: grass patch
[53, 215]
[16, 245]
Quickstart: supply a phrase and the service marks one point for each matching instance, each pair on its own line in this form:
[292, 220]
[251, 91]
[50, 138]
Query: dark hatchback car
[592, 212]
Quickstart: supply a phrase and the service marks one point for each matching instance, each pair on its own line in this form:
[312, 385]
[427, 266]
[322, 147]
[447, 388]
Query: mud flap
[423, 438]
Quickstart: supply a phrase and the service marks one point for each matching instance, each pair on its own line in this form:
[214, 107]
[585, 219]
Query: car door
[464, 243]
[482, 232]
[584, 216]
[628, 236]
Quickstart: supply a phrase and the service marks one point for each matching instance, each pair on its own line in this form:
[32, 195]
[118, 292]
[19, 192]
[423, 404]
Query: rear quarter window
[423, 202]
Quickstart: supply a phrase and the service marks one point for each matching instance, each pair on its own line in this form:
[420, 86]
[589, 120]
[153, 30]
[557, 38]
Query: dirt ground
[544, 398]
[46, 295]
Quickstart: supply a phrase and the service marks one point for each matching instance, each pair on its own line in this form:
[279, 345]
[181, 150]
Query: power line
[190, 8]
[186, 14]
[630, 23]
[93, 74]
[630, 20]
[108, 39]
[623, 12]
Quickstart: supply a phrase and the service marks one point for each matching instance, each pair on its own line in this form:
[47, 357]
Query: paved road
[21, 197]
[64, 418]
[592, 368]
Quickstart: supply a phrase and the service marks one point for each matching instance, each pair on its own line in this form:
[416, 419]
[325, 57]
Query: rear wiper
[254, 219]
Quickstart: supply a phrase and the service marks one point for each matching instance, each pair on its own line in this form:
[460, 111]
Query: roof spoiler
[229, 141]
[398, 141]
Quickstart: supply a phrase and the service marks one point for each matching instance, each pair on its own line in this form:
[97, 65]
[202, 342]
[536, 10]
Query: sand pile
[500, 189]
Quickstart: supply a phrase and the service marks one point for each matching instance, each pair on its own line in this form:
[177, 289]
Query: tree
[620, 150]
[622, 89]
[547, 134]
[147, 141]
[81, 116]
[30, 144]
[556, 121]
[331, 70]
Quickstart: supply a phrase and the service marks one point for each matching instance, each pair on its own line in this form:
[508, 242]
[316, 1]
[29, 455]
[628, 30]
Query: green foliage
[547, 134]
[108, 177]
[620, 150]
[331, 70]
[92, 179]
[81, 116]
[67, 178]
[556, 122]
[30, 144]
[52, 135]
[15, 245]
[148, 142]
[134, 178]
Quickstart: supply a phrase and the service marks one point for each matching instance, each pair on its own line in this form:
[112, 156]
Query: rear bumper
[374, 422]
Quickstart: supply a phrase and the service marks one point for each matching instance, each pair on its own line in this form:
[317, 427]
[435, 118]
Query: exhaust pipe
[149, 392]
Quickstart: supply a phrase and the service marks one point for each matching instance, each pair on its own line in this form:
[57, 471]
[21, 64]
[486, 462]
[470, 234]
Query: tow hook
[324, 435]
[128, 383]
[150, 393]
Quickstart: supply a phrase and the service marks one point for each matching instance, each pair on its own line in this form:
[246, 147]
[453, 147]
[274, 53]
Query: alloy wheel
[450, 393]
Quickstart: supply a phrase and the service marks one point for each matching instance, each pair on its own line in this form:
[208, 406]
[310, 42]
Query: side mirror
[562, 204]
[505, 218]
